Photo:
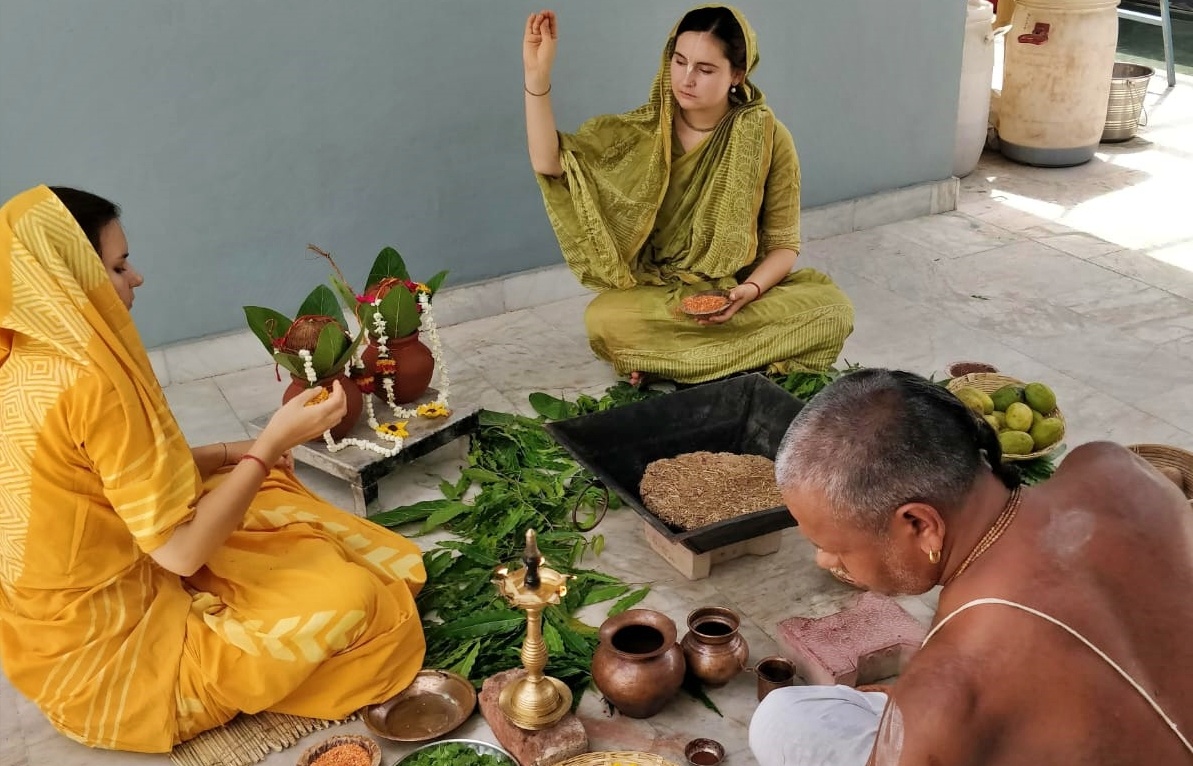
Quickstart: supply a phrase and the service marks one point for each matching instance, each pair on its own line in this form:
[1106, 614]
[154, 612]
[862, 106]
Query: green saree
[645, 224]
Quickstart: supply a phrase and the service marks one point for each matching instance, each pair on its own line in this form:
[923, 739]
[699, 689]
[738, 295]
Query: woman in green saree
[696, 189]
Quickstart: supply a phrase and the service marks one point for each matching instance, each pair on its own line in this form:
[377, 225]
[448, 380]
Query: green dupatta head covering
[616, 169]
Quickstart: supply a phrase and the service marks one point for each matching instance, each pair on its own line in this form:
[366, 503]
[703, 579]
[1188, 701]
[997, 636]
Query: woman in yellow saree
[697, 189]
[149, 591]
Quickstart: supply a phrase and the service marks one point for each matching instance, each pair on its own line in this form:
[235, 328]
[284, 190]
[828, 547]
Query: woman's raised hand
[298, 421]
[538, 49]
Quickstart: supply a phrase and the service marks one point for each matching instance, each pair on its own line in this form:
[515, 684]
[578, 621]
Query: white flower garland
[387, 383]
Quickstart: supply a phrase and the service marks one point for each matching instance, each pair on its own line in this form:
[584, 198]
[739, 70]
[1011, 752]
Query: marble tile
[769, 589]
[1147, 313]
[945, 196]
[419, 480]
[953, 234]
[254, 392]
[205, 358]
[1175, 407]
[203, 413]
[540, 286]
[1181, 348]
[826, 221]
[466, 303]
[891, 206]
[567, 317]
[157, 358]
[1079, 244]
[858, 251]
[1110, 362]
[1153, 271]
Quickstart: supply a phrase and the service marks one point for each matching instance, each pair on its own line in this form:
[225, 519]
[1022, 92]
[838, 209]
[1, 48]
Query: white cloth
[816, 726]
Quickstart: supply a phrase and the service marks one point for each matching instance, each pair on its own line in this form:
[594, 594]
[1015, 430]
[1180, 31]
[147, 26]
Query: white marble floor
[1081, 277]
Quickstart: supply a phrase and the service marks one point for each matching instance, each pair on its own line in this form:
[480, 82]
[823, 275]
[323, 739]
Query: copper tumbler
[774, 673]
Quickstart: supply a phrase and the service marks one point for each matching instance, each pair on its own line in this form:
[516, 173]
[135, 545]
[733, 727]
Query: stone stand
[363, 469]
[564, 740]
[697, 566]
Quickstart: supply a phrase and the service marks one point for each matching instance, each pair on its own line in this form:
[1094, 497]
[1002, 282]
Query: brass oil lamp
[535, 701]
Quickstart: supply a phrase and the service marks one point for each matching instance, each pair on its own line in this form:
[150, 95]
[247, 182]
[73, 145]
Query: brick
[564, 740]
[868, 641]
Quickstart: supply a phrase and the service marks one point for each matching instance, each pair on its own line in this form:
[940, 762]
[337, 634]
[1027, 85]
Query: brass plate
[435, 703]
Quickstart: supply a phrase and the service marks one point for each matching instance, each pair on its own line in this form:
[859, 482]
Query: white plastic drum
[977, 72]
[1056, 81]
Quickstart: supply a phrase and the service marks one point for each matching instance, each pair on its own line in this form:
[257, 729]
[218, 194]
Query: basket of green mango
[1024, 415]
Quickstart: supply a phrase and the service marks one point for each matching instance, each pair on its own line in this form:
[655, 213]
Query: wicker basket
[625, 758]
[989, 382]
[1163, 456]
[368, 744]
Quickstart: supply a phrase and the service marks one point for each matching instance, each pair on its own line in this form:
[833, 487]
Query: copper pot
[638, 666]
[714, 649]
[415, 366]
[351, 394]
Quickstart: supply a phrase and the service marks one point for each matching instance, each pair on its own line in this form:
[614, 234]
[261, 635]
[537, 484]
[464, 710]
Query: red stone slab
[868, 641]
[532, 748]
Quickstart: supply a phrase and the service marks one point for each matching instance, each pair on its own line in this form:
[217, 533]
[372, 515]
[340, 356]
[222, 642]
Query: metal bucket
[1128, 86]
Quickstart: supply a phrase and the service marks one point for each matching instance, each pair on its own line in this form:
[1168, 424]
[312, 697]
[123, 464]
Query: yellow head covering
[54, 289]
[616, 169]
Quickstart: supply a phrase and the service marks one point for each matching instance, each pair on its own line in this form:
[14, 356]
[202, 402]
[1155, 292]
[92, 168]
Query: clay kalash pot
[638, 666]
[414, 366]
[714, 650]
[351, 393]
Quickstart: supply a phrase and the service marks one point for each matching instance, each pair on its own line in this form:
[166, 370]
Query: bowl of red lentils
[342, 750]
[706, 303]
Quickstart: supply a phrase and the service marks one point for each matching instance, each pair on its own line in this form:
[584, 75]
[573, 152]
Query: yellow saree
[645, 224]
[305, 609]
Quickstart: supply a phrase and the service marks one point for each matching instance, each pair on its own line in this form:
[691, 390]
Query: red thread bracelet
[255, 459]
[756, 287]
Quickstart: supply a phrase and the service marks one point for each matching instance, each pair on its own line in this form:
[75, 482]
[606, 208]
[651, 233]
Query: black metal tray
[746, 415]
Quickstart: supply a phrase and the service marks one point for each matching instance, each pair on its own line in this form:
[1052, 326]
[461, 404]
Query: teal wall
[234, 132]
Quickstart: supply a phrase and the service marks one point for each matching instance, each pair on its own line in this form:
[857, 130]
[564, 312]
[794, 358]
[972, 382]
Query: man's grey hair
[876, 439]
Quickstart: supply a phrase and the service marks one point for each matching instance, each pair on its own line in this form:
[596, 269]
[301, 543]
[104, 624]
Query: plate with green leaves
[458, 752]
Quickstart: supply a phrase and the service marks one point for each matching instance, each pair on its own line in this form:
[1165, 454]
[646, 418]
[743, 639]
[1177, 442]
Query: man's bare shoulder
[1095, 456]
[1091, 470]
[933, 715]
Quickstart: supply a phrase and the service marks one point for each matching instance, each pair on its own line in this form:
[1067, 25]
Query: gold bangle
[538, 95]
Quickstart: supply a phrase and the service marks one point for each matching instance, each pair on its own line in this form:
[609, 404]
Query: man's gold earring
[934, 557]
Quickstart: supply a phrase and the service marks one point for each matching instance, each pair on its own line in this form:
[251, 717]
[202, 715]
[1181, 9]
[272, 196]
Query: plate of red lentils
[343, 750]
[706, 303]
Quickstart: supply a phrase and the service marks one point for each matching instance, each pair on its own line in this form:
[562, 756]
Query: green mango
[1006, 396]
[1047, 432]
[1019, 417]
[1015, 442]
[1039, 397]
[993, 421]
[976, 400]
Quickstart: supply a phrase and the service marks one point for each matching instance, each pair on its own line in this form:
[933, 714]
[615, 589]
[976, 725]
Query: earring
[934, 557]
[733, 89]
